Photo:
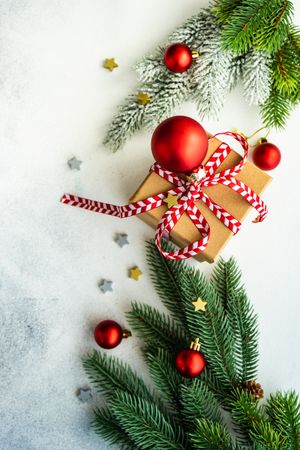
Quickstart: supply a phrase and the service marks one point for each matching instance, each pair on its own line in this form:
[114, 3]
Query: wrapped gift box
[185, 231]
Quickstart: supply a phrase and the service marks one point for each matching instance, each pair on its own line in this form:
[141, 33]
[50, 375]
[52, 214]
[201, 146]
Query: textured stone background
[55, 103]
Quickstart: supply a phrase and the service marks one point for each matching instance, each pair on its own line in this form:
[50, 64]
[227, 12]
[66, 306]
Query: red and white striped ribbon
[188, 192]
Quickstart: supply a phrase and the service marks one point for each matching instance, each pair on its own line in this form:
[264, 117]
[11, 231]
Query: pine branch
[211, 436]
[259, 23]
[224, 8]
[165, 377]
[108, 374]
[107, 427]
[165, 275]
[252, 424]
[246, 413]
[284, 413]
[286, 69]
[198, 402]
[256, 77]
[155, 327]
[145, 423]
[212, 327]
[226, 278]
[211, 76]
[276, 110]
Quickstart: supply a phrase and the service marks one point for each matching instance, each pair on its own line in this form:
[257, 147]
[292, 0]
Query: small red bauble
[179, 144]
[178, 57]
[108, 334]
[190, 363]
[266, 156]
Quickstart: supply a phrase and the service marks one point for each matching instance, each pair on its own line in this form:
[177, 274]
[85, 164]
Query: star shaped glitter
[74, 163]
[105, 286]
[110, 64]
[135, 273]
[143, 98]
[199, 304]
[84, 394]
[171, 200]
[121, 239]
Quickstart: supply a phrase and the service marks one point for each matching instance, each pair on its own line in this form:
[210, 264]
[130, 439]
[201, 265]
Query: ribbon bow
[188, 191]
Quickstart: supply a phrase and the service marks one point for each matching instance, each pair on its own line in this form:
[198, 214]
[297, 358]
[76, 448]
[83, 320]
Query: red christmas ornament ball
[108, 334]
[179, 144]
[266, 156]
[190, 363]
[178, 57]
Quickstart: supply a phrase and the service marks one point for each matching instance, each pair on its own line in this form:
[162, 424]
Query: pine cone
[254, 388]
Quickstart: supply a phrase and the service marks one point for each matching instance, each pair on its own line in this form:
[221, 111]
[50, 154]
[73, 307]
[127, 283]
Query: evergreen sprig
[253, 41]
[182, 414]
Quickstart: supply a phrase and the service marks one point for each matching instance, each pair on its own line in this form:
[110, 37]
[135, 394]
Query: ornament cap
[195, 345]
[126, 334]
[262, 140]
[196, 175]
[196, 54]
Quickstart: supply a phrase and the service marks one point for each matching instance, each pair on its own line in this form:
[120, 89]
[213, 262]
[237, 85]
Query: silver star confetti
[105, 286]
[74, 163]
[84, 394]
[121, 239]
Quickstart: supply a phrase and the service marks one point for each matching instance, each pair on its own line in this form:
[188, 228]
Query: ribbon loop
[188, 191]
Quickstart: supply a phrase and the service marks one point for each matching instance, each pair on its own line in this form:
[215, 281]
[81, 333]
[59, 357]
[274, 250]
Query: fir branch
[211, 436]
[246, 413]
[198, 402]
[127, 121]
[212, 327]
[226, 278]
[211, 76]
[224, 8]
[275, 110]
[165, 377]
[145, 423]
[256, 77]
[108, 374]
[283, 409]
[286, 69]
[259, 23]
[164, 274]
[107, 427]
[155, 327]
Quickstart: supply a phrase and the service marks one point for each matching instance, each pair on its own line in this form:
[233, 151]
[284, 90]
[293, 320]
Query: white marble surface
[55, 103]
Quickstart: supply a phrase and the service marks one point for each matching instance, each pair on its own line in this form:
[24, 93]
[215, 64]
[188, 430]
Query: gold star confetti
[135, 273]
[143, 98]
[110, 64]
[199, 304]
[171, 200]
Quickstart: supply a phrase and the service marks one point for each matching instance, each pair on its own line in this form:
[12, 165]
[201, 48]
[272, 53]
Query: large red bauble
[266, 156]
[178, 57]
[108, 334]
[179, 144]
[190, 363]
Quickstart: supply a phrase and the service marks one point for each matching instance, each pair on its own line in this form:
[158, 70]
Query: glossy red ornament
[178, 57]
[190, 363]
[266, 156]
[108, 334]
[179, 144]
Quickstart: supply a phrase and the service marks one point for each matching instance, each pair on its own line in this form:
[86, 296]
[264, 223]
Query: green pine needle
[211, 436]
[198, 402]
[283, 410]
[145, 423]
[108, 374]
[107, 427]
[156, 328]
[276, 110]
